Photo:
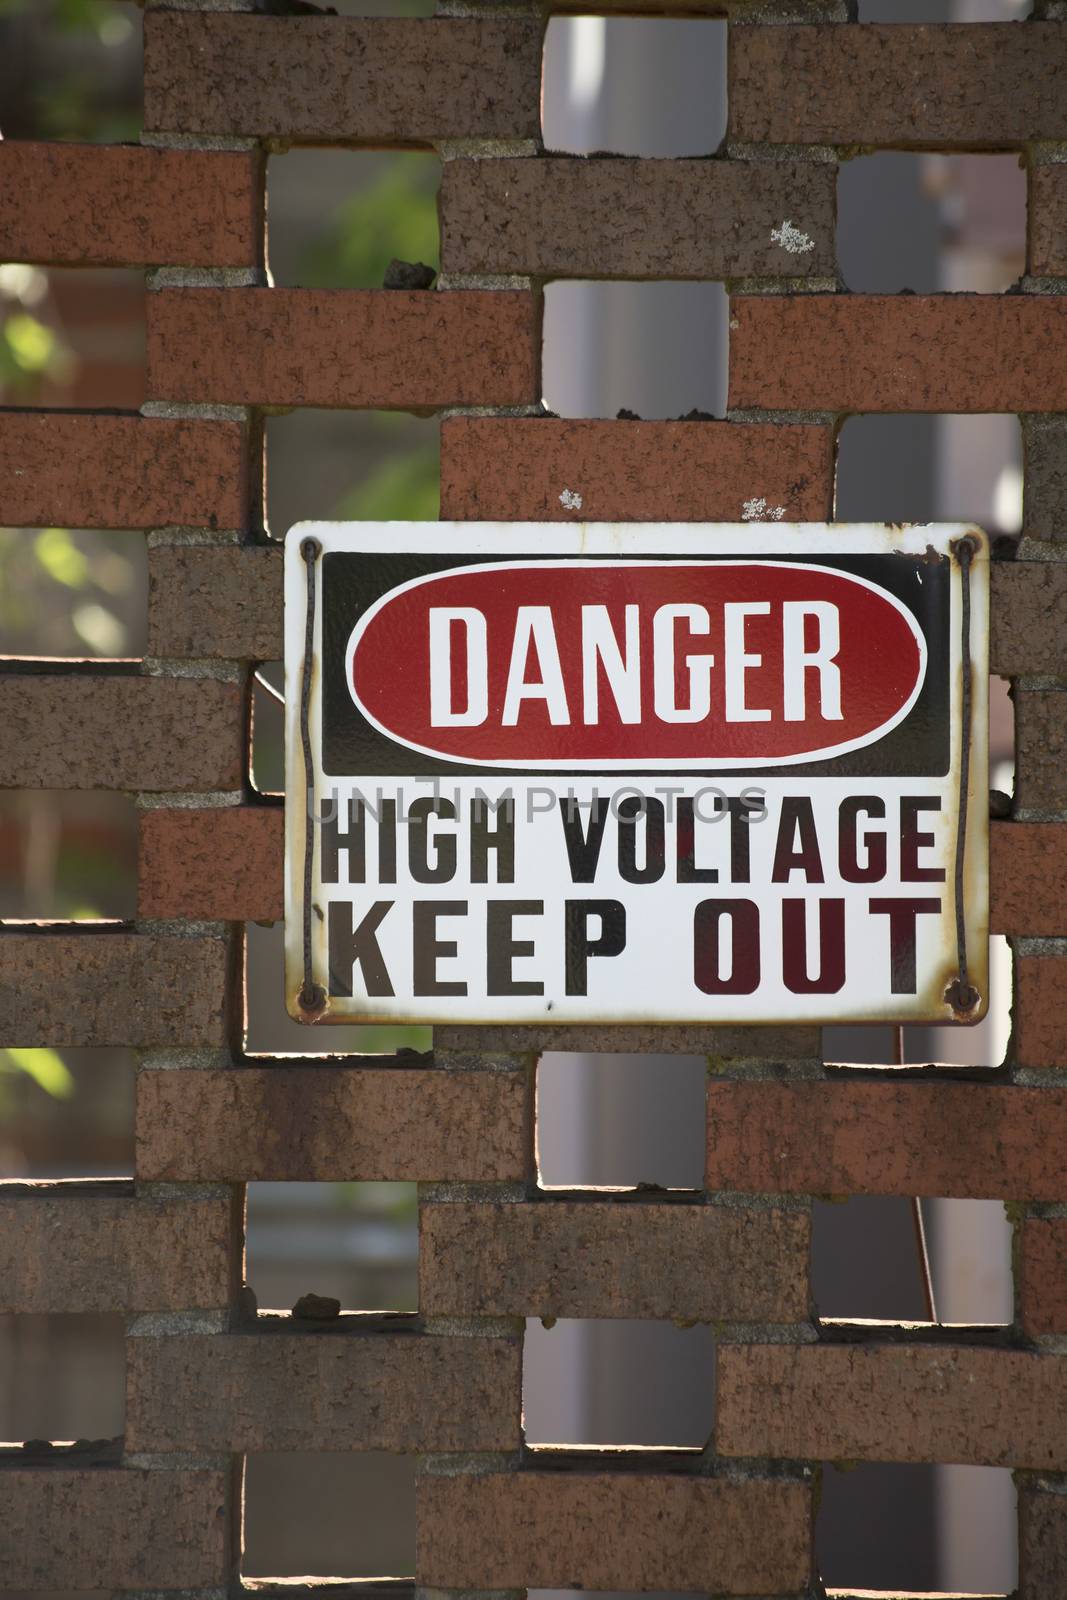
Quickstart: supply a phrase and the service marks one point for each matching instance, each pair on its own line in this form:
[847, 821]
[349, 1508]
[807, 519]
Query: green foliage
[29, 351]
[401, 488]
[43, 1067]
[76, 103]
[58, 591]
[395, 215]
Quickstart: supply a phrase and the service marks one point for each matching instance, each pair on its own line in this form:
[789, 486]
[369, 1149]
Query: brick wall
[159, 1510]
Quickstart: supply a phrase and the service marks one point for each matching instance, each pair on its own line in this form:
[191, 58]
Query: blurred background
[71, 69]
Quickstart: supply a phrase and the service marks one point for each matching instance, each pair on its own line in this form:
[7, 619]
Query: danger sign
[636, 773]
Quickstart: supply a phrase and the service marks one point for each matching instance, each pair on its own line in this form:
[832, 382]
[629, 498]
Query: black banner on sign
[353, 583]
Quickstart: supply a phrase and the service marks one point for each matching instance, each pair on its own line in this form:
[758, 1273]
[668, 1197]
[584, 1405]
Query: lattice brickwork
[205, 1382]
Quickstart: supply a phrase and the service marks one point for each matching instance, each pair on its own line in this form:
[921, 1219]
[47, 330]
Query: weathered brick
[1028, 878]
[1042, 1544]
[772, 1043]
[280, 347]
[63, 1249]
[103, 730]
[111, 988]
[983, 86]
[1028, 618]
[1040, 1013]
[953, 1140]
[1045, 477]
[112, 1528]
[215, 865]
[626, 1530]
[514, 469]
[1046, 215]
[891, 1402]
[87, 471]
[223, 603]
[873, 352]
[1040, 750]
[1043, 1275]
[579, 217]
[129, 205]
[322, 1391]
[344, 80]
[328, 1123]
[560, 1259]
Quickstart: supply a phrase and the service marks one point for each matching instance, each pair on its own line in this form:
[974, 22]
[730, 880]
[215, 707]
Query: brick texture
[221, 604]
[279, 347]
[958, 1140]
[1041, 1020]
[769, 1043]
[330, 1124]
[344, 80]
[120, 1528]
[1041, 750]
[1028, 618]
[1043, 1275]
[512, 469]
[983, 86]
[322, 1391]
[219, 864]
[1045, 477]
[873, 352]
[1042, 1544]
[128, 206]
[586, 218]
[612, 1260]
[1027, 878]
[629, 1531]
[1047, 221]
[67, 1250]
[65, 730]
[141, 990]
[85, 471]
[891, 1403]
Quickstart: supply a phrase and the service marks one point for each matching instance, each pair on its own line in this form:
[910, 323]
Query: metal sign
[617, 773]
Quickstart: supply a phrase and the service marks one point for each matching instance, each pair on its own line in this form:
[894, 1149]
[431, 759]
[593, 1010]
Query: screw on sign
[676, 773]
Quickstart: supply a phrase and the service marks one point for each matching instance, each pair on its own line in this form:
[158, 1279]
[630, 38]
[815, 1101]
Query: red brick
[580, 217]
[320, 1390]
[279, 347]
[982, 86]
[111, 988]
[62, 1249]
[128, 205]
[1040, 1012]
[1028, 618]
[624, 1530]
[1028, 878]
[86, 471]
[1047, 221]
[1043, 1275]
[106, 1527]
[513, 469]
[1040, 749]
[1042, 1544]
[216, 865]
[886, 1402]
[1045, 477]
[907, 1137]
[331, 1123]
[773, 1043]
[215, 603]
[344, 80]
[560, 1259]
[102, 730]
[870, 353]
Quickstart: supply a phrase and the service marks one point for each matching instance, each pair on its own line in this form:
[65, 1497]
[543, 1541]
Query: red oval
[833, 663]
